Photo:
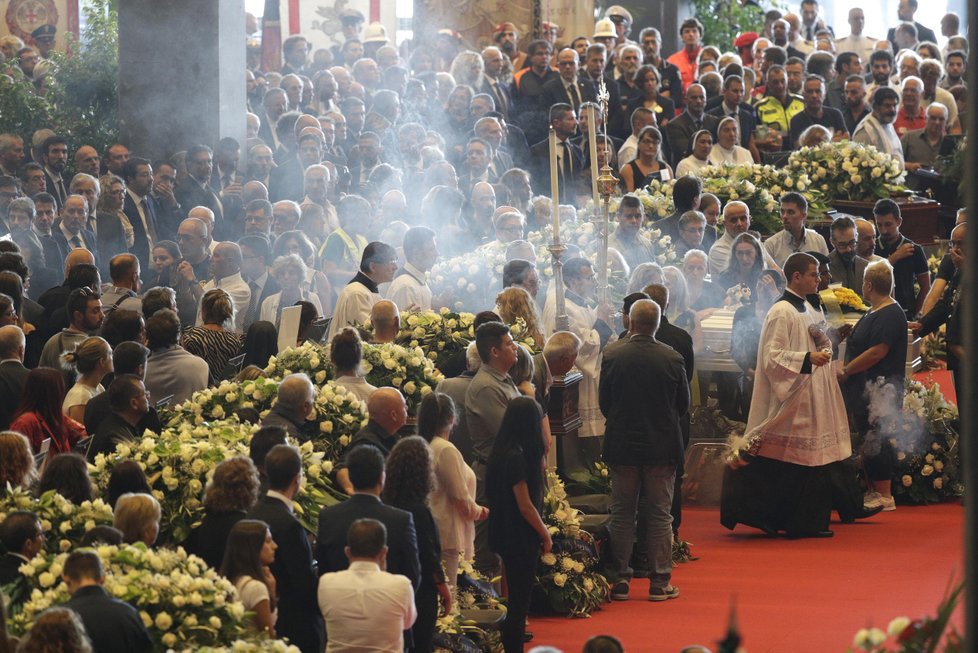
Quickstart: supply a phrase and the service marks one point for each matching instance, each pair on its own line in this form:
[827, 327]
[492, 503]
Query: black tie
[575, 96]
[568, 165]
[62, 196]
[252, 314]
[500, 99]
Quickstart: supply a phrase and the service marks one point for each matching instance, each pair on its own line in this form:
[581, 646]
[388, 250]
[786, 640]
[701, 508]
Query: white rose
[169, 639]
[907, 480]
[215, 622]
[163, 621]
[897, 626]
[320, 376]
[548, 559]
[566, 564]
[410, 388]
[560, 579]
[46, 579]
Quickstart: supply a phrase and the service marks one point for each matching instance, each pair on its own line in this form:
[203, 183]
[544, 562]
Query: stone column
[181, 74]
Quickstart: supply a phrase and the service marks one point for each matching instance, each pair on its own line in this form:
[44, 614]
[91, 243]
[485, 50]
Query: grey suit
[175, 371]
[851, 275]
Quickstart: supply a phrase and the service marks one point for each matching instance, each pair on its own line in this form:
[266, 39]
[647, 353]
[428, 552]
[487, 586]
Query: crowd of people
[131, 280]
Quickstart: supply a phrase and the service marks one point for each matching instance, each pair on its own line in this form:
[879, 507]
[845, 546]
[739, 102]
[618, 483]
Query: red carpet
[804, 596]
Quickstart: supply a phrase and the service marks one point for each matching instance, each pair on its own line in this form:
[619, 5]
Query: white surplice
[800, 418]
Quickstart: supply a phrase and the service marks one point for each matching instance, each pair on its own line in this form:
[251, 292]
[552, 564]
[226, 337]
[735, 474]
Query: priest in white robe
[797, 432]
[594, 325]
[410, 290]
[377, 266]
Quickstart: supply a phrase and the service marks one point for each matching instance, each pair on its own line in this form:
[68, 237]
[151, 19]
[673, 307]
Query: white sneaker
[873, 500]
[888, 503]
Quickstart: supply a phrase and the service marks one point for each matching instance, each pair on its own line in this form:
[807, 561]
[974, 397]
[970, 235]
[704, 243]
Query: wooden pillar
[181, 74]
[565, 421]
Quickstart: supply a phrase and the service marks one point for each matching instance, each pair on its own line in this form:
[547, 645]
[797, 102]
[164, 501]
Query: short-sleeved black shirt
[509, 532]
[905, 272]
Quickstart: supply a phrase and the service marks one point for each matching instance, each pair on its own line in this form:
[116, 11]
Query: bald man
[206, 216]
[226, 274]
[556, 359]
[296, 399]
[387, 411]
[13, 374]
[87, 160]
[386, 320]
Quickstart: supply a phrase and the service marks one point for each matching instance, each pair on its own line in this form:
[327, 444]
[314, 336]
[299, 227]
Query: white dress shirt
[366, 609]
[240, 293]
[782, 245]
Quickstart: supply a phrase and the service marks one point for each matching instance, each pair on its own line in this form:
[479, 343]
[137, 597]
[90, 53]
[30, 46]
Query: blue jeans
[658, 483]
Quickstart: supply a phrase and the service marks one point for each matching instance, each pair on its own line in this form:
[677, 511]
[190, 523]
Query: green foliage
[84, 90]
[723, 20]
[82, 99]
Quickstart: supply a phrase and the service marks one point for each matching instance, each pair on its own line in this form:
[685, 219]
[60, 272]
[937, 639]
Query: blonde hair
[134, 513]
[515, 302]
[879, 276]
[86, 356]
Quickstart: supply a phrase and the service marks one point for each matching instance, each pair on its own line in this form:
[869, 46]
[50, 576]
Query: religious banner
[319, 20]
[476, 20]
[22, 17]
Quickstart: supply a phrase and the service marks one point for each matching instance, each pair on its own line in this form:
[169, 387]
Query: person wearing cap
[670, 80]
[622, 18]
[374, 38]
[606, 34]
[44, 37]
[691, 32]
[744, 43]
[507, 39]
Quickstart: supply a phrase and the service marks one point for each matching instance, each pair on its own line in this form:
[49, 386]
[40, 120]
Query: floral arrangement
[181, 460]
[181, 600]
[339, 415]
[227, 399]
[933, 349]
[848, 299]
[752, 185]
[848, 170]
[310, 358]
[442, 334]
[474, 591]
[597, 480]
[406, 368]
[924, 436]
[924, 634]
[471, 279]
[63, 522]
[567, 576]
[737, 296]
[246, 646]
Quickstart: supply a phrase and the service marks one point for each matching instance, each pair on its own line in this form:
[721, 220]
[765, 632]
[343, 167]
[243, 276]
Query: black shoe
[527, 636]
[862, 514]
[799, 536]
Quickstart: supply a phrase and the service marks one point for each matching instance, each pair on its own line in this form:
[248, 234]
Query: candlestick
[554, 187]
[593, 143]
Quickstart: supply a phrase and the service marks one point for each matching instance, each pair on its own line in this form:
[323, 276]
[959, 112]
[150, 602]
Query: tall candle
[554, 188]
[592, 141]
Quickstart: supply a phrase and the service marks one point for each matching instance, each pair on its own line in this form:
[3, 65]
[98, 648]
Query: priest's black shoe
[862, 514]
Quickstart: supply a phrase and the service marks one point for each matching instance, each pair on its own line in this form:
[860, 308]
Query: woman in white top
[346, 353]
[702, 142]
[250, 550]
[290, 273]
[314, 282]
[452, 499]
[90, 361]
[727, 149]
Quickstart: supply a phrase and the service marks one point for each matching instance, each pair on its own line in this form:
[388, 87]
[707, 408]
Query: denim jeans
[658, 483]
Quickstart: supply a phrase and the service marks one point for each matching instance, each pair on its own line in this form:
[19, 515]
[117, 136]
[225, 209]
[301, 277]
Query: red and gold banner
[21, 17]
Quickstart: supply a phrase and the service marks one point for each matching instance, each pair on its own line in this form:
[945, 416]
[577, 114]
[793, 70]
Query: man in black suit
[70, 232]
[643, 394]
[366, 467]
[568, 87]
[54, 155]
[255, 252]
[732, 104]
[195, 189]
[595, 60]
[294, 569]
[140, 208]
[22, 537]
[113, 626]
[13, 374]
[680, 129]
[905, 12]
[570, 158]
[492, 58]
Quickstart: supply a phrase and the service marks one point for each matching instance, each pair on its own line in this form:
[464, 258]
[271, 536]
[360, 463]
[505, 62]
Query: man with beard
[54, 154]
[276, 103]
[140, 208]
[626, 65]
[261, 161]
[507, 39]
[845, 265]
[670, 86]
[880, 69]
[195, 189]
[816, 113]
[856, 106]
[876, 129]
[528, 90]
[866, 239]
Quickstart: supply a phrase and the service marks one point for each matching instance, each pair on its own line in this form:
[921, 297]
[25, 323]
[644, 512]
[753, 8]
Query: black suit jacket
[504, 90]
[140, 247]
[554, 92]
[51, 188]
[402, 539]
[745, 114]
[296, 579]
[285, 182]
[680, 130]
[111, 239]
[13, 377]
[113, 625]
[190, 194]
[923, 34]
[643, 395]
[540, 170]
[91, 241]
[618, 119]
